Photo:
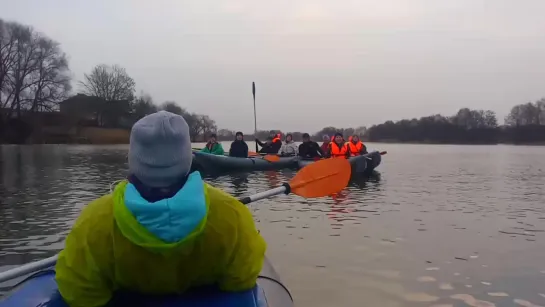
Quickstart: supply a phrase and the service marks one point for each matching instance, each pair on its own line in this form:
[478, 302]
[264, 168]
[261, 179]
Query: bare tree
[540, 104]
[361, 130]
[471, 119]
[208, 125]
[111, 83]
[195, 122]
[330, 131]
[51, 81]
[226, 135]
[7, 60]
[514, 118]
[143, 106]
[490, 119]
[200, 125]
[34, 74]
[173, 107]
[527, 114]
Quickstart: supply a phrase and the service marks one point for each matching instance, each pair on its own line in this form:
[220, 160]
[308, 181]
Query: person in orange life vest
[356, 147]
[272, 145]
[325, 144]
[338, 148]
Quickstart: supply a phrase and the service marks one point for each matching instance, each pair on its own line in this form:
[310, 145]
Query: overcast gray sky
[315, 62]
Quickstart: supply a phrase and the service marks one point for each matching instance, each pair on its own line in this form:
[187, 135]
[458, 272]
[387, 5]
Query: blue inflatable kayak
[40, 290]
[214, 163]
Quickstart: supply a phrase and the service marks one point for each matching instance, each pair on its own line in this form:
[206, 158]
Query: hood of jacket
[165, 224]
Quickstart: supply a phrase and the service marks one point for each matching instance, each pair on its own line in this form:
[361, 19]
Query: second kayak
[364, 164]
[215, 163]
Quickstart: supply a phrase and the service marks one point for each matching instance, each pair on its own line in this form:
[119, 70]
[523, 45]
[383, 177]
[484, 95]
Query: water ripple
[435, 220]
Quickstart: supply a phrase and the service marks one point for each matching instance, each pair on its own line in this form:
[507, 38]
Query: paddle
[320, 179]
[255, 117]
[268, 157]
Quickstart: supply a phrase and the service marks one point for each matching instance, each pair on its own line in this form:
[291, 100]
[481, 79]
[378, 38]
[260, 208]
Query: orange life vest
[337, 152]
[355, 149]
[277, 139]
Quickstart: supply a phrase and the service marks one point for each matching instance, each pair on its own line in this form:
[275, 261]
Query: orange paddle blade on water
[321, 178]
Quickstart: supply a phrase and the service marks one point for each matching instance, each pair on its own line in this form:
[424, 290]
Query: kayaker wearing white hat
[162, 231]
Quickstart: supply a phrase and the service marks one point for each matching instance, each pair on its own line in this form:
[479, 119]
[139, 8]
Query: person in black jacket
[239, 148]
[272, 145]
[309, 149]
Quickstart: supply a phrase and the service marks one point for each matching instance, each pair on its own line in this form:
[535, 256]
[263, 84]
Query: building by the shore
[79, 119]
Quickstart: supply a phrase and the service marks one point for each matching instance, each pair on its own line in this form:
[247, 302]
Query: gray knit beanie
[160, 149]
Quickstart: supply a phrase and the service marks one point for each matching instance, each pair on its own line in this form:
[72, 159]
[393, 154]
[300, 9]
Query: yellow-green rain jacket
[201, 236]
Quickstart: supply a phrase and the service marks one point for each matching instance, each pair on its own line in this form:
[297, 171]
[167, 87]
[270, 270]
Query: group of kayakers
[336, 146]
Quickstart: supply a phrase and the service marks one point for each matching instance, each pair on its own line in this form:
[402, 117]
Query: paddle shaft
[49, 262]
[255, 117]
[266, 194]
[28, 268]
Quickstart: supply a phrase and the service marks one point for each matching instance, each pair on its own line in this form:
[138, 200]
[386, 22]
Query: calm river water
[441, 225]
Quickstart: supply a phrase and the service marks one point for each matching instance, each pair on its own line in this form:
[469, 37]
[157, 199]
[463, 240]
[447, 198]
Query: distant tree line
[466, 126]
[525, 124]
[118, 107]
[200, 126]
[35, 82]
[34, 76]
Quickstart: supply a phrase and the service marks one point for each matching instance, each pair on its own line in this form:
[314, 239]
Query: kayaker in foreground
[272, 145]
[162, 231]
[289, 148]
[309, 149]
[239, 148]
[325, 144]
[338, 148]
[213, 147]
[356, 147]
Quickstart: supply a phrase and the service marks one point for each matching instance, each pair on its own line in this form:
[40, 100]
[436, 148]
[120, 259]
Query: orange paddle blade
[321, 178]
[272, 158]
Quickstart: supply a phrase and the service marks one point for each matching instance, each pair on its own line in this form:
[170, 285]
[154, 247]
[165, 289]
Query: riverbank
[80, 135]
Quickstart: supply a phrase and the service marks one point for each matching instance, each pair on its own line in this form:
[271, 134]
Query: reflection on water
[438, 226]
[42, 190]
